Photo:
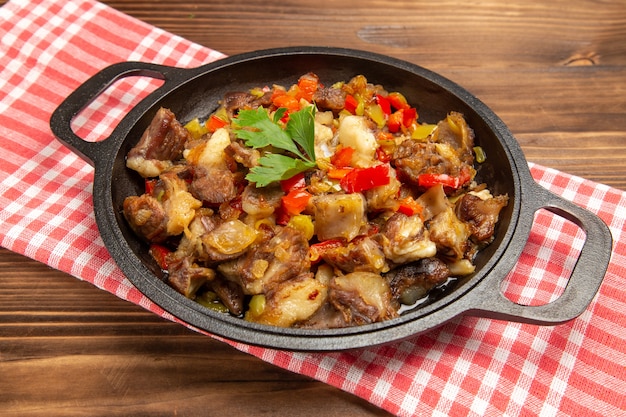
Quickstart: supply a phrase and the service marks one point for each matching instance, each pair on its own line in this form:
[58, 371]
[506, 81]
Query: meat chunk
[333, 99]
[229, 293]
[261, 202]
[237, 100]
[362, 297]
[481, 214]
[384, 197]
[161, 143]
[283, 257]
[449, 234]
[190, 243]
[455, 132]
[355, 132]
[164, 213]
[211, 153]
[290, 302]
[405, 239]
[413, 158]
[412, 281]
[362, 255]
[449, 151]
[187, 277]
[147, 217]
[213, 185]
[247, 157]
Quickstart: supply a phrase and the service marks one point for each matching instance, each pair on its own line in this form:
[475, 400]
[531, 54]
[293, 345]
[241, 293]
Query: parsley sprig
[258, 130]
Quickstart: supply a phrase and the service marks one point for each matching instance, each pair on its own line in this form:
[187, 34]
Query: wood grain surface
[555, 72]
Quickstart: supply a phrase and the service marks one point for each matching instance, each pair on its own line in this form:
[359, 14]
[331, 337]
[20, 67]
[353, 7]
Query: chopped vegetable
[337, 173]
[395, 121]
[160, 253]
[211, 301]
[448, 181]
[316, 250]
[150, 183]
[375, 112]
[398, 101]
[409, 206]
[297, 138]
[307, 86]
[423, 131]
[363, 179]
[291, 103]
[297, 182]
[343, 157]
[214, 123]
[409, 116]
[303, 223]
[384, 104]
[295, 202]
[195, 128]
[351, 104]
[480, 155]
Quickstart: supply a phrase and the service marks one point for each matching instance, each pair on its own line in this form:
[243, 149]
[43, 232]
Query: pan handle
[61, 119]
[585, 279]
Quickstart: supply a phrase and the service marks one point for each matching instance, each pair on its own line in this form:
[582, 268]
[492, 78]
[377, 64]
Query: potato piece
[362, 297]
[434, 201]
[450, 234]
[405, 239]
[323, 141]
[210, 154]
[353, 132]
[339, 216]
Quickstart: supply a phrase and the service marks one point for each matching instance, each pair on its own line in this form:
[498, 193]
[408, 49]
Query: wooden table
[554, 71]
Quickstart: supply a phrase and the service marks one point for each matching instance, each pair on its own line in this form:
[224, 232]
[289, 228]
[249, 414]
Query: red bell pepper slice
[409, 206]
[338, 173]
[351, 104]
[307, 86]
[297, 182]
[316, 250]
[295, 202]
[398, 101]
[409, 116]
[284, 100]
[150, 183]
[448, 181]
[394, 122]
[363, 179]
[382, 155]
[160, 253]
[214, 123]
[343, 157]
[384, 104]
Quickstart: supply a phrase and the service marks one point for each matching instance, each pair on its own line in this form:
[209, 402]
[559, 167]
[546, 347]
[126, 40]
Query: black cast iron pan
[191, 93]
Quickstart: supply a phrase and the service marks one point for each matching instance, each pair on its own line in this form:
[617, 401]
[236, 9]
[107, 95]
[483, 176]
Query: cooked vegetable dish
[311, 205]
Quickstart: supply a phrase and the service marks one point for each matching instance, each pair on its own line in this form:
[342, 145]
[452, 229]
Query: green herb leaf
[301, 127]
[279, 113]
[264, 131]
[258, 130]
[276, 167]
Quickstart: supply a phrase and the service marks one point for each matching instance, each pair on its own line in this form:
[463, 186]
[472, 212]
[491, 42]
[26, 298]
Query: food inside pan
[324, 204]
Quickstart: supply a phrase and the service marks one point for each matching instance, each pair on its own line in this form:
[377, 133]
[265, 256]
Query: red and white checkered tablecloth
[470, 366]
